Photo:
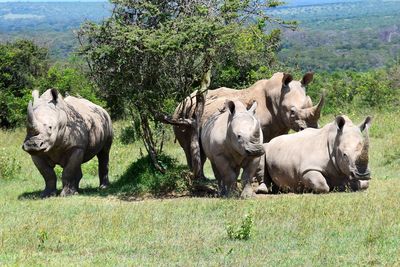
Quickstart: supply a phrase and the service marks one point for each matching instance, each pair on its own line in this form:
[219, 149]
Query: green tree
[69, 79]
[150, 54]
[21, 63]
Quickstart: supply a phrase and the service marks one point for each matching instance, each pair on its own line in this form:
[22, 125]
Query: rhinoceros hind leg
[316, 182]
[103, 158]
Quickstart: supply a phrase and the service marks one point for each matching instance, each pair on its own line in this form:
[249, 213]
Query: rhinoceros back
[94, 120]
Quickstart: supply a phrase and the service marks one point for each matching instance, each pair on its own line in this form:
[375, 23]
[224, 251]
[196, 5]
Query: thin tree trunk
[197, 166]
[150, 145]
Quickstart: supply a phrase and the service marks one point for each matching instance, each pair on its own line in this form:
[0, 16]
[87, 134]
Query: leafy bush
[69, 79]
[21, 63]
[9, 165]
[142, 177]
[349, 90]
[243, 232]
[24, 66]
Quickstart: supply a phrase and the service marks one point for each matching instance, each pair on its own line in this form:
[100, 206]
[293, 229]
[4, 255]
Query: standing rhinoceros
[282, 105]
[320, 160]
[232, 139]
[67, 132]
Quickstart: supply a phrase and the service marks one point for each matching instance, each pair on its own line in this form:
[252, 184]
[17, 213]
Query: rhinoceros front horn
[31, 115]
[313, 113]
[317, 108]
[364, 152]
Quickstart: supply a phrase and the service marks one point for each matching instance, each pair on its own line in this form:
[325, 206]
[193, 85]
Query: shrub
[21, 63]
[142, 177]
[243, 232]
[9, 165]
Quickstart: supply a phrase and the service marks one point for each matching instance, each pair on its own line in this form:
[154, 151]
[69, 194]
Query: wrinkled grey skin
[320, 160]
[232, 139]
[282, 105]
[67, 132]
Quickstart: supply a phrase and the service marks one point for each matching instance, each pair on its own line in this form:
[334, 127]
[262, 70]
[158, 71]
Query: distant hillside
[349, 34]
[352, 35]
[50, 24]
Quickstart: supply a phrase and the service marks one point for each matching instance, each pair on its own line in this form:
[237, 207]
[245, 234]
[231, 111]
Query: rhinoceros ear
[287, 78]
[231, 106]
[340, 121]
[365, 124]
[307, 78]
[54, 94]
[35, 94]
[253, 107]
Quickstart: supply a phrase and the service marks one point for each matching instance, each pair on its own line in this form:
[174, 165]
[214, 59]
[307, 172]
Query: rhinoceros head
[297, 110]
[244, 132]
[46, 117]
[351, 147]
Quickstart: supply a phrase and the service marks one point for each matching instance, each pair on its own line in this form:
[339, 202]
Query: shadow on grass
[141, 181]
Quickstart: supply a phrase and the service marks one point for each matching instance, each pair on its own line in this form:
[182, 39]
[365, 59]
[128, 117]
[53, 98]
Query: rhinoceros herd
[240, 129]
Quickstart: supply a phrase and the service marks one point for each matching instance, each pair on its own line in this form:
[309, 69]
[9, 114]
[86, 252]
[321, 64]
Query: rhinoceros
[282, 105]
[232, 139]
[67, 132]
[320, 160]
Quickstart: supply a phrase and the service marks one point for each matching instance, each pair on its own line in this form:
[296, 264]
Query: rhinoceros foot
[68, 192]
[104, 186]
[48, 193]
[247, 192]
[262, 189]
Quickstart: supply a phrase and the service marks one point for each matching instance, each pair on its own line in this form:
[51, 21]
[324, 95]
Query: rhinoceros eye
[292, 112]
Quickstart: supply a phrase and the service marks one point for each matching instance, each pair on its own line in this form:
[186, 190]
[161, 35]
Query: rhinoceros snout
[255, 150]
[361, 176]
[31, 146]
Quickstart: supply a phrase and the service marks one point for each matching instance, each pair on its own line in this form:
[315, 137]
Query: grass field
[101, 228]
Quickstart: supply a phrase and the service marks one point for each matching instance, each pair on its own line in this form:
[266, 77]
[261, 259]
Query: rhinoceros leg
[103, 158]
[49, 176]
[316, 182]
[262, 187]
[72, 173]
[249, 170]
[183, 137]
[218, 176]
[226, 176]
[357, 185]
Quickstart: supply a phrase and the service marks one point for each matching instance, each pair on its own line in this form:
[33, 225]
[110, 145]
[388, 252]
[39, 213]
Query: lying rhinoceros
[67, 132]
[320, 160]
[232, 139]
[282, 105]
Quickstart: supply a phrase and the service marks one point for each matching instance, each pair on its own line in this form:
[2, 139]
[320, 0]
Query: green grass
[103, 228]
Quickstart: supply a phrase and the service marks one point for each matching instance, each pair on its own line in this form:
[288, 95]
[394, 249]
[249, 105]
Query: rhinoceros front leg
[226, 175]
[249, 171]
[315, 181]
[50, 177]
[357, 185]
[72, 173]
